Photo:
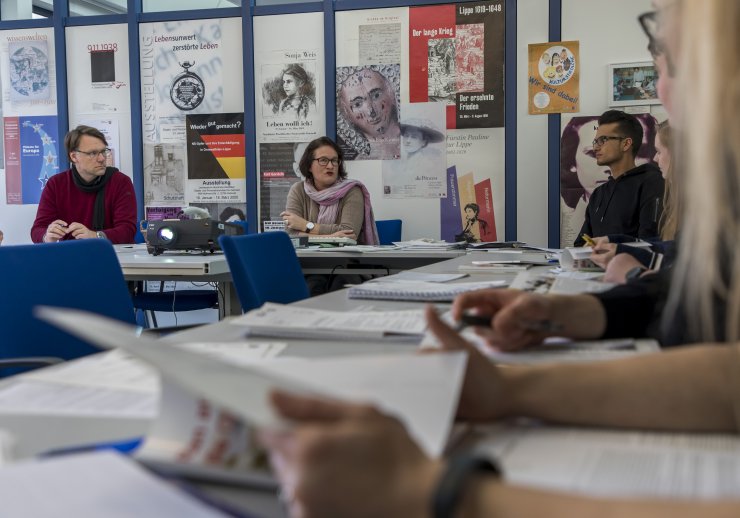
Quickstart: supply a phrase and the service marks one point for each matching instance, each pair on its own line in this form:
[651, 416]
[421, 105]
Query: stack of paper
[428, 244]
[291, 321]
[417, 291]
[502, 266]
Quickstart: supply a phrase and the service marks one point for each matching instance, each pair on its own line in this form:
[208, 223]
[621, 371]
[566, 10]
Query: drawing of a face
[369, 103]
[555, 60]
[290, 85]
[412, 140]
[546, 58]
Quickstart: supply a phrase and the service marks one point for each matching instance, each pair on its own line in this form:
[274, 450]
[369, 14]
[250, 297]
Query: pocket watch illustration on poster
[187, 90]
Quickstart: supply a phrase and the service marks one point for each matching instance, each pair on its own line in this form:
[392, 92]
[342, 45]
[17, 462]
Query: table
[138, 265]
[338, 262]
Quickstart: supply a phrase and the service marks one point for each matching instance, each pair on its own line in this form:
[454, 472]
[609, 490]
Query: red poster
[486, 217]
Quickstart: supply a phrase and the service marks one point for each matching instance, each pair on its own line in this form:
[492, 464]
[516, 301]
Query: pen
[543, 326]
[588, 240]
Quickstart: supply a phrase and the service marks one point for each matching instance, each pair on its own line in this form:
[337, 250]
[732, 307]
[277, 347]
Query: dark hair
[473, 206]
[297, 71]
[230, 211]
[571, 189]
[627, 125]
[307, 158]
[72, 139]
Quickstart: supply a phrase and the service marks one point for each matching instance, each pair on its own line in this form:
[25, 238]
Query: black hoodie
[631, 204]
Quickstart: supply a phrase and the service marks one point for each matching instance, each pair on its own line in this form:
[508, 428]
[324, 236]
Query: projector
[187, 234]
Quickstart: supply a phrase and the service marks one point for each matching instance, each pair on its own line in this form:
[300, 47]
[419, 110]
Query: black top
[631, 204]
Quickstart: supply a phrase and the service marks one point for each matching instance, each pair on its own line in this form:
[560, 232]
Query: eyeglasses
[95, 154]
[323, 161]
[598, 142]
[650, 23]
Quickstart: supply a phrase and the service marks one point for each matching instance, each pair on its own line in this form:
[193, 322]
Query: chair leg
[153, 319]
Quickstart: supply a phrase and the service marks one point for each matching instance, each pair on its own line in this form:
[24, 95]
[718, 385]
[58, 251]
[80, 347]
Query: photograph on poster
[289, 90]
[442, 77]
[580, 173]
[421, 170]
[633, 84]
[102, 66]
[467, 214]
[164, 174]
[368, 100]
[29, 70]
[226, 212]
[278, 172]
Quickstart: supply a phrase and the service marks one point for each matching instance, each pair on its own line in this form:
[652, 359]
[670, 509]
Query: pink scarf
[329, 198]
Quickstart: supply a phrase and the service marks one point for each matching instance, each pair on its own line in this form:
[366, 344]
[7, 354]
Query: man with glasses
[90, 200]
[629, 199]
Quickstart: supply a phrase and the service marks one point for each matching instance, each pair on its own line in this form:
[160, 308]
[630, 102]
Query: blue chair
[389, 230]
[170, 301]
[81, 274]
[265, 268]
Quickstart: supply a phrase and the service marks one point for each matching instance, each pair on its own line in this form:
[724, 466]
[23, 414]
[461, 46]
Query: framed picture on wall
[633, 84]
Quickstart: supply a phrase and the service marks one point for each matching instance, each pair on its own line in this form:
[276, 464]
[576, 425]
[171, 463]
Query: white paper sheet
[92, 484]
[616, 463]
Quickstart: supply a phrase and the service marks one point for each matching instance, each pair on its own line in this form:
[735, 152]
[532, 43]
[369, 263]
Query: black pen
[470, 319]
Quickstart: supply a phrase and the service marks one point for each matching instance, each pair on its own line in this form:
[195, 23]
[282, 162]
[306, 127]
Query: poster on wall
[27, 66]
[216, 158]
[554, 77]
[421, 170]
[368, 101]
[278, 173]
[32, 157]
[456, 57]
[473, 210]
[191, 67]
[292, 108]
[581, 173]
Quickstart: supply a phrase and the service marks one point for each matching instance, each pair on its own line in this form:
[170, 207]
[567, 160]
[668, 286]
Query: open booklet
[213, 404]
[291, 321]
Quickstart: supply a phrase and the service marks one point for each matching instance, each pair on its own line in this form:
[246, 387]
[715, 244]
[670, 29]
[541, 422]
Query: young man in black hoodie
[630, 202]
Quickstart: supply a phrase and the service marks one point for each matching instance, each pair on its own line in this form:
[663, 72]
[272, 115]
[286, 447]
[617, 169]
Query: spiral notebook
[417, 291]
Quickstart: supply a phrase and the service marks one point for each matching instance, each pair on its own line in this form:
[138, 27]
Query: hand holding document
[421, 390]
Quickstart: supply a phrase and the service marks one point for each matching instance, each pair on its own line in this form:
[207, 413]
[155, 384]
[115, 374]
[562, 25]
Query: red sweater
[61, 199]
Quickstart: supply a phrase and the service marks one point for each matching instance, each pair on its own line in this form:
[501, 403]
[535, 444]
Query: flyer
[554, 77]
[31, 157]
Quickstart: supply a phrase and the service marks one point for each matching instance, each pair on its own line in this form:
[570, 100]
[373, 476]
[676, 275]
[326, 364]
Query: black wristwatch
[451, 485]
[634, 273]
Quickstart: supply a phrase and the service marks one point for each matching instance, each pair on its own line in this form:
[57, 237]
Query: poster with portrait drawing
[290, 99]
[421, 170]
[554, 76]
[580, 172]
[368, 101]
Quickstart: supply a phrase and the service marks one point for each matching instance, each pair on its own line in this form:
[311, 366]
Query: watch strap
[454, 479]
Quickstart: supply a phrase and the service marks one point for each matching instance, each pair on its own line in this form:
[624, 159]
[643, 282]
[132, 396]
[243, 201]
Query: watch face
[309, 226]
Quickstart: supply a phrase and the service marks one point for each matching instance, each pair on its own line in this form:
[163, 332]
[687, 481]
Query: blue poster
[33, 152]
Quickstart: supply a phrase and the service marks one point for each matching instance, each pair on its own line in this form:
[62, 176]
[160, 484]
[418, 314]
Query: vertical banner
[192, 68]
[554, 77]
[456, 57]
[216, 161]
[31, 145]
[278, 172]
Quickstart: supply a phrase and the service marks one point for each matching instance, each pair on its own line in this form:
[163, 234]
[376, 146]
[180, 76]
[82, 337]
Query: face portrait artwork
[367, 111]
[580, 173]
[289, 91]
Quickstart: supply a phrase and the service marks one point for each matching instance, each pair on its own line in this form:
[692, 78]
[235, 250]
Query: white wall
[531, 130]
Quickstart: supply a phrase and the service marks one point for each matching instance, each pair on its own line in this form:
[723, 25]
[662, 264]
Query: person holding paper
[327, 202]
[337, 453]
[90, 200]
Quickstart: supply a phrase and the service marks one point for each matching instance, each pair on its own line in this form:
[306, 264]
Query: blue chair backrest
[389, 230]
[82, 274]
[265, 268]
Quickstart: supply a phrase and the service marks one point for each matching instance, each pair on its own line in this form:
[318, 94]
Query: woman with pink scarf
[327, 203]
